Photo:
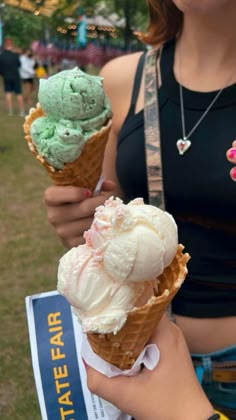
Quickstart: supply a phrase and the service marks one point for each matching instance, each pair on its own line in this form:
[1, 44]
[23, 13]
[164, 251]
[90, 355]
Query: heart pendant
[183, 145]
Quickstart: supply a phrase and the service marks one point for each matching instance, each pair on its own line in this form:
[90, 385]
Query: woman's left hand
[231, 156]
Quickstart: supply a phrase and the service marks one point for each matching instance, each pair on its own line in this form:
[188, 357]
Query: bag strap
[137, 81]
[152, 135]
[152, 130]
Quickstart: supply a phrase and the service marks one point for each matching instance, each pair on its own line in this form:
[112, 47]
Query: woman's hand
[170, 392]
[231, 156]
[70, 210]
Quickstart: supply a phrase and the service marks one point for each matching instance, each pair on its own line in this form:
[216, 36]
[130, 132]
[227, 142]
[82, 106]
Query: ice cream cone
[123, 348]
[84, 171]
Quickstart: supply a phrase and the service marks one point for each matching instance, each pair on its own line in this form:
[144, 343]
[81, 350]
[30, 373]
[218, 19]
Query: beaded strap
[152, 130]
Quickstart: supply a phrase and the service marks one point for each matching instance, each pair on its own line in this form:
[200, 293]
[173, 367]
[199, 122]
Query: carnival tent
[46, 7]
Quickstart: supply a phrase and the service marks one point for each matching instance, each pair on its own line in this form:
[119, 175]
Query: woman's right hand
[70, 210]
[169, 392]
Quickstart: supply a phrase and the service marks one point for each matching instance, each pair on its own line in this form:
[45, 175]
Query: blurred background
[61, 34]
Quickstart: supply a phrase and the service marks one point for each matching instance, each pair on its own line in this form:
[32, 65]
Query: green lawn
[29, 254]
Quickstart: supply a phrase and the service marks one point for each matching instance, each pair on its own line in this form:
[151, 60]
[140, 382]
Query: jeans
[221, 394]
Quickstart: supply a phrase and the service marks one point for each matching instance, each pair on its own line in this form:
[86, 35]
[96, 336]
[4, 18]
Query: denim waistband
[225, 354]
[217, 366]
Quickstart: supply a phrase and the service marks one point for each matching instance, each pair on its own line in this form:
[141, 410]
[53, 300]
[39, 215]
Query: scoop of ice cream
[126, 248]
[75, 107]
[96, 299]
[129, 235]
[59, 142]
[73, 94]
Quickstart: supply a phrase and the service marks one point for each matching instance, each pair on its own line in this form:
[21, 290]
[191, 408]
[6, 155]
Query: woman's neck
[205, 57]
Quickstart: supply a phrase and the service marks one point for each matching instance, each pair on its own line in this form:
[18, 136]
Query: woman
[197, 101]
[9, 69]
[27, 73]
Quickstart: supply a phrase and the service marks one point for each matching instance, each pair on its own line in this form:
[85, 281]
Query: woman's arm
[70, 209]
[170, 392]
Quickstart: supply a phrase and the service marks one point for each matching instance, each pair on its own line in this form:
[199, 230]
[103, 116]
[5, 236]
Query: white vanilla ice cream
[126, 248]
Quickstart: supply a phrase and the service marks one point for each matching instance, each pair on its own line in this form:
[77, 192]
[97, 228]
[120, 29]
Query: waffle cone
[84, 171]
[124, 348]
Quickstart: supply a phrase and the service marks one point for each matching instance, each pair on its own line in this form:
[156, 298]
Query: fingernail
[85, 364]
[87, 193]
[231, 153]
[233, 174]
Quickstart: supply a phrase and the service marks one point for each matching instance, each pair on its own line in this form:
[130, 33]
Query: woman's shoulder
[130, 58]
[120, 72]
[118, 80]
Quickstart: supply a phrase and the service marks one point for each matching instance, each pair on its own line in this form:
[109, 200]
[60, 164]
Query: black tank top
[198, 190]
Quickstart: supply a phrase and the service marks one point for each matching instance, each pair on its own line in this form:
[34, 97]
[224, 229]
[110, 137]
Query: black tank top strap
[137, 81]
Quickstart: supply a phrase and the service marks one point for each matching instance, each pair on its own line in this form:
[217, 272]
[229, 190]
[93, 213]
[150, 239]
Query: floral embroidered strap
[152, 130]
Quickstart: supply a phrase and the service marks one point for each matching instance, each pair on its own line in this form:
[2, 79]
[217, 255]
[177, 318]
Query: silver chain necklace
[185, 143]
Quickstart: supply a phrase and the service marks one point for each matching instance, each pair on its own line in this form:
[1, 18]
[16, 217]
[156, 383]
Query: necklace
[185, 143]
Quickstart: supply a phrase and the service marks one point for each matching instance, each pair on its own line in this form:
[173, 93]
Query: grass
[29, 254]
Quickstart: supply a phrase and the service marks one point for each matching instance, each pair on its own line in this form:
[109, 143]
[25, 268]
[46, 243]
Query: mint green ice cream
[75, 107]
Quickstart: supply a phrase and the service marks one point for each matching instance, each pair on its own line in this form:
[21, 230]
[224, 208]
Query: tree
[134, 13]
[21, 26]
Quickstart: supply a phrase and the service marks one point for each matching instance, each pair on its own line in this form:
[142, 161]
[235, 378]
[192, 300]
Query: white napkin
[149, 358]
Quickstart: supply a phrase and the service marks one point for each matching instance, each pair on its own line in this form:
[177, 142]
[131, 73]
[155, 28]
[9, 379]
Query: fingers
[72, 242]
[233, 174]
[118, 390]
[231, 156]
[71, 234]
[56, 195]
[70, 210]
[108, 186]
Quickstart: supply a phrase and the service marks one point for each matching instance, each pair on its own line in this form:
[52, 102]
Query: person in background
[169, 392]
[9, 69]
[40, 71]
[197, 108]
[27, 74]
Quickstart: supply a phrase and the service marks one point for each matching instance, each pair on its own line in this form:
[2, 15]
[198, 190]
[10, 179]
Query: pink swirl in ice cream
[126, 248]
